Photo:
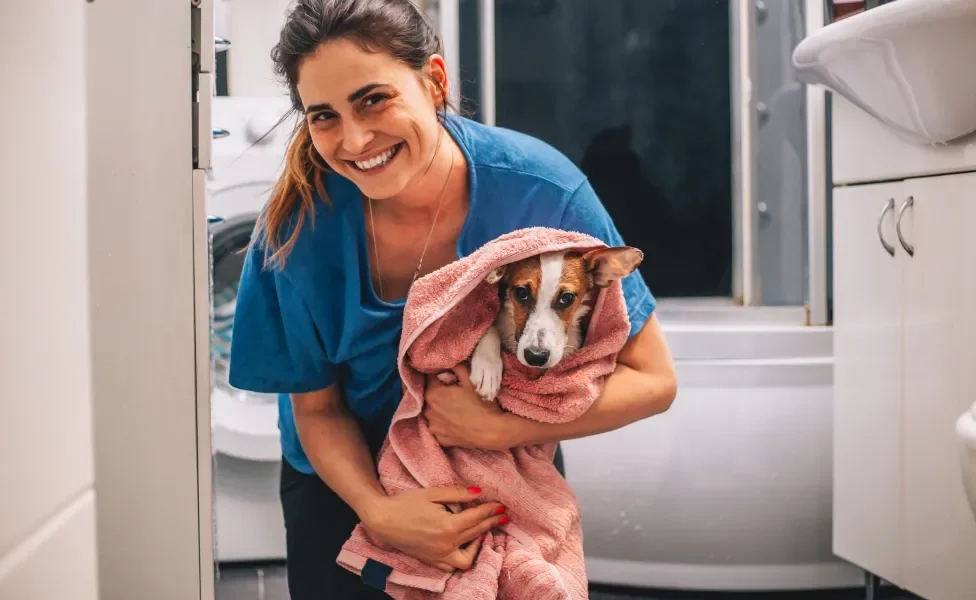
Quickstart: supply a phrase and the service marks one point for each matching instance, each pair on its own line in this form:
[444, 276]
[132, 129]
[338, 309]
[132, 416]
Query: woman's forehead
[337, 70]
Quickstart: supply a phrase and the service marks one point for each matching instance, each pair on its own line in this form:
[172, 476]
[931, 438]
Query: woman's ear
[440, 86]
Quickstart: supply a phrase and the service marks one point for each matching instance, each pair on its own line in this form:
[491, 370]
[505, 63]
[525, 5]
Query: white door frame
[818, 186]
[149, 287]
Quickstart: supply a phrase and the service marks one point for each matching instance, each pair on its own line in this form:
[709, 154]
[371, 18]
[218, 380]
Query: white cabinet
[865, 150]
[905, 369]
[867, 387]
[939, 384]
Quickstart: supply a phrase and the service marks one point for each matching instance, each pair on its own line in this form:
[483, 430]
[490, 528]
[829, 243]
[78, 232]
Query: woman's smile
[373, 119]
[378, 162]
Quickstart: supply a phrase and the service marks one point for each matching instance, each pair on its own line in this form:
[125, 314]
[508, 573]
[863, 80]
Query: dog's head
[545, 297]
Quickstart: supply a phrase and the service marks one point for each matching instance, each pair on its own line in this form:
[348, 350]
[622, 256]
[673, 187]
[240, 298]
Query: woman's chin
[379, 188]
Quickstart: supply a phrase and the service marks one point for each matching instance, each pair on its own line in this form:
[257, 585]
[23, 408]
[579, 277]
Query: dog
[544, 303]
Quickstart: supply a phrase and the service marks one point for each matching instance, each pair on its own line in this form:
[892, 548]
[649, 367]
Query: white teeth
[376, 161]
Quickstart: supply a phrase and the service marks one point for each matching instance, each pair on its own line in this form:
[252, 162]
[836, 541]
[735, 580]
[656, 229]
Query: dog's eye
[565, 299]
[521, 293]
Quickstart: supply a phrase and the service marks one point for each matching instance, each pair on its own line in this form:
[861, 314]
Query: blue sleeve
[275, 346]
[586, 214]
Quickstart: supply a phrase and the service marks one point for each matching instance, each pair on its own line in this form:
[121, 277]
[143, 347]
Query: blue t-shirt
[318, 320]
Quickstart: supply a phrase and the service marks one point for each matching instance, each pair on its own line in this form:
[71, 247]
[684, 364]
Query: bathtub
[731, 489]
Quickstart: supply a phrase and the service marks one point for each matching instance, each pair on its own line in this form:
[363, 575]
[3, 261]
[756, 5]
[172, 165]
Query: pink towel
[538, 555]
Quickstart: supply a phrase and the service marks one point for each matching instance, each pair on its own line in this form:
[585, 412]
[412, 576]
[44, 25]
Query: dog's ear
[496, 275]
[607, 265]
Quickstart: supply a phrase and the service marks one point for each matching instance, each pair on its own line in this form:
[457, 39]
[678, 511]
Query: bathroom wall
[47, 506]
[252, 27]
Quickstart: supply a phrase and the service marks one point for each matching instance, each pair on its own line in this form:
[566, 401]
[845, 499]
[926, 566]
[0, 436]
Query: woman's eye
[521, 293]
[566, 299]
[322, 117]
[373, 100]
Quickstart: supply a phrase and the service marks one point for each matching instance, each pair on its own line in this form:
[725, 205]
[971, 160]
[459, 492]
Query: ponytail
[293, 197]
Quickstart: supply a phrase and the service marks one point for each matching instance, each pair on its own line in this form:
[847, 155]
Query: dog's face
[545, 297]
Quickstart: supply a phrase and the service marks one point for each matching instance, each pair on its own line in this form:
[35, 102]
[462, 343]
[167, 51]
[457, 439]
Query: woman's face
[372, 118]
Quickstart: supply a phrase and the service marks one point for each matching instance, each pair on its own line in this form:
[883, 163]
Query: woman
[381, 186]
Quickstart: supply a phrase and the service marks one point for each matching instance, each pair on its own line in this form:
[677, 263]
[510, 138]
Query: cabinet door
[867, 380]
[939, 383]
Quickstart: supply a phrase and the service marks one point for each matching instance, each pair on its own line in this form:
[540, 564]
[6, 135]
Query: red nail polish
[499, 510]
[474, 490]
[503, 521]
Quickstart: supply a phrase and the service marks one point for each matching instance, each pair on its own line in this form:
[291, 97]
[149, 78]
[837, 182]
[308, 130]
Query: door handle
[890, 205]
[910, 249]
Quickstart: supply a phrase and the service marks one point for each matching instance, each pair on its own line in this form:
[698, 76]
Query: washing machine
[249, 145]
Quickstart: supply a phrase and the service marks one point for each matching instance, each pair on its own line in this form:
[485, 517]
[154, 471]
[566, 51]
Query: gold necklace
[423, 253]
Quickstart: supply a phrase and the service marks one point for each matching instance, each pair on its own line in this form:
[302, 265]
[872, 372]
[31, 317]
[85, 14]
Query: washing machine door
[244, 424]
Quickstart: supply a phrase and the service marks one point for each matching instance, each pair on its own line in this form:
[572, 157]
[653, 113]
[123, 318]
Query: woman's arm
[642, 385]
[414, 522]
[336, 448]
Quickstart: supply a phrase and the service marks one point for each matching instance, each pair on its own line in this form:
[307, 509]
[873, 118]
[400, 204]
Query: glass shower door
[781, 154]
[637, 94]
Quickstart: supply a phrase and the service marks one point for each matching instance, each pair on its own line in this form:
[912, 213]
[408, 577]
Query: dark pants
[317, 524]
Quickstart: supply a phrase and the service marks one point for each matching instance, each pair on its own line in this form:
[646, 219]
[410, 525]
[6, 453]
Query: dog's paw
[486, 372]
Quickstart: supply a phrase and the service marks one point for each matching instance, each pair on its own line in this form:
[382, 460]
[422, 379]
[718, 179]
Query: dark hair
[397, 27]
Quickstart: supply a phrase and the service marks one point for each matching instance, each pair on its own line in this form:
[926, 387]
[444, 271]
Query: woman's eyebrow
[369, 87]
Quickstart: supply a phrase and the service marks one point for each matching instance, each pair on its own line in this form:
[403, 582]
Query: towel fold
[538, 555]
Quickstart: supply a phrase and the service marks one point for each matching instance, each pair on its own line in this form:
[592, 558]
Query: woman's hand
[418, 524]
[457, 416]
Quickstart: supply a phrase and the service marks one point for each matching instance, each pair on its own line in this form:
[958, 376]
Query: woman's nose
[355, 137]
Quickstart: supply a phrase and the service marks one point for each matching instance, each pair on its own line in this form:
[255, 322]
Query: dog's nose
[536, 357]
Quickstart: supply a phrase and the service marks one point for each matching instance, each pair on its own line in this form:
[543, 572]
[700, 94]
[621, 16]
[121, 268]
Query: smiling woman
[358, 135]
[381, 186]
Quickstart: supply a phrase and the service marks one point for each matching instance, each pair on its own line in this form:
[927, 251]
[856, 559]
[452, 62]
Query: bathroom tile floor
[267, 582]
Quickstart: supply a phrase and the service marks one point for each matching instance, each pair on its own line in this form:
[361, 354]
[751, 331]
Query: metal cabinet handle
[890, 205]
[910, 249]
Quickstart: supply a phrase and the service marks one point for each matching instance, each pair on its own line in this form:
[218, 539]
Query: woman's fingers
[450, 495]
[447, 378]
[443, 566]
[463, 558]
[479, 530]
[467, 527]
[485, 515]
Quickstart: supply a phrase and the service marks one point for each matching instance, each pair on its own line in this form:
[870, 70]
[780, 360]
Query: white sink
[910, 64]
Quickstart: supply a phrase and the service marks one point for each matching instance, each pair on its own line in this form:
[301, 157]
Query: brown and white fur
[545, 300]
